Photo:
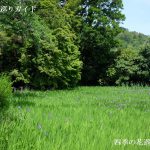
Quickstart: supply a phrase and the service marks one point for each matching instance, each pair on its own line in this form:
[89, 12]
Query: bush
[126, 66]
[5, 92]
[43, 59]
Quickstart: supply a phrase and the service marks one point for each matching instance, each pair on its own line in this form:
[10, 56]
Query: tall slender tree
[97, 25]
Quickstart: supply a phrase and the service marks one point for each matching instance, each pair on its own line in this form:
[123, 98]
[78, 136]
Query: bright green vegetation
[132, 39]
[86, 118]
[59, 44]
[5, 92]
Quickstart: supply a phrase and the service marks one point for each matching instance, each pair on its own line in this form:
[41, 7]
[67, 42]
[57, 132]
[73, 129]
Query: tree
[144, 73]
[125, 68]
[38, 54]
[132, 39]
[99, 26]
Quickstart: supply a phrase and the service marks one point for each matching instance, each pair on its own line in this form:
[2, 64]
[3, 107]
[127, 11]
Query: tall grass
[87, 118]
[5, 92]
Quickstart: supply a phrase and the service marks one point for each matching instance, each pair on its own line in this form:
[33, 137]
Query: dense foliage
[35, 55]
[131, 66]
[100, 25]
[64, 42]
[132, 39]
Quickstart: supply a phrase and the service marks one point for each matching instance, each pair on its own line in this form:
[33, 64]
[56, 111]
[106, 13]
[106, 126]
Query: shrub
[45, 59]
[126, 66]
[5, 92]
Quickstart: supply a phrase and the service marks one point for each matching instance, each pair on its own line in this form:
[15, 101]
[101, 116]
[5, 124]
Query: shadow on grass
[25, 94]
[23, 103]
[24, 98]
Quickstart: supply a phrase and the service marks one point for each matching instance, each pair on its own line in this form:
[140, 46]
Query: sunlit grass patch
[84, 118]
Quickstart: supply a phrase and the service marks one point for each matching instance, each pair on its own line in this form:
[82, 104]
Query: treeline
[66, 43]
[132, 39]
[132, 62]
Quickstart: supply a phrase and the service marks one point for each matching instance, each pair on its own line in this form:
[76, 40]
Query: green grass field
[86, 118]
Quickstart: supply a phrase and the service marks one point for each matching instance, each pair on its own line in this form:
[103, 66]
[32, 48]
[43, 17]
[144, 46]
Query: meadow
[85, 118]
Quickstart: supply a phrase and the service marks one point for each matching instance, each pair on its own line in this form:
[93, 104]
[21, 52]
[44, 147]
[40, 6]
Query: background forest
[66, 43]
